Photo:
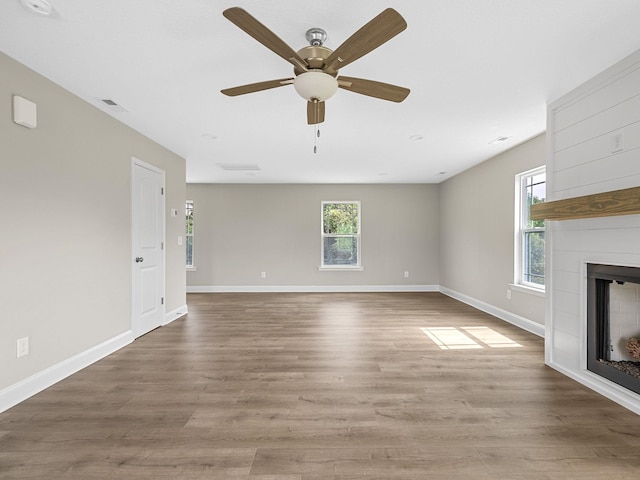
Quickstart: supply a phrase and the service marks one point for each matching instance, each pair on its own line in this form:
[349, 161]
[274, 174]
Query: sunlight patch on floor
[450, 338]
[464, 338]
[491, 338]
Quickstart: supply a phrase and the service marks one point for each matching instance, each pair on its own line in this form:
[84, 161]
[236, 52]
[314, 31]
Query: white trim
[550, 226]
[358, 236]
[612, 391]
[517, 320]
[18, 392]
[163, 234]
[14, 394]
[337, 268]
[600, 384]
[190, 268]
[520, 214]
[310, 288]
[538, 292]
[175, 314]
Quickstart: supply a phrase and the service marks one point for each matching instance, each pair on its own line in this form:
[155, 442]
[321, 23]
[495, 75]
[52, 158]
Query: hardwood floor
[322, 386]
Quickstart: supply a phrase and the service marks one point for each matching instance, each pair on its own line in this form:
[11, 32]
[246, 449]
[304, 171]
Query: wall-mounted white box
[25, 112]
[22, 347]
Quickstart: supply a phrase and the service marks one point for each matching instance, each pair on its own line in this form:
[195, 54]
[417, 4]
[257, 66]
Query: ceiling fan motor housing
[315, 57]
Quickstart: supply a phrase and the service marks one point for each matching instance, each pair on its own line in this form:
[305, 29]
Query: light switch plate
[25, 112]
[22, 347]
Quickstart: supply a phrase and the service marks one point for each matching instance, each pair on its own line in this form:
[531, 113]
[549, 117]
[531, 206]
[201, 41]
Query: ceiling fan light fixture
[315, 86]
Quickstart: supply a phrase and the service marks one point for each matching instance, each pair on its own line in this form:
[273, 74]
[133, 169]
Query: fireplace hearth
[613, 318]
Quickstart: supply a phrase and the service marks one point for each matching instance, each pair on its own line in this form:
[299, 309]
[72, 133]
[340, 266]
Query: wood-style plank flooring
[322, 387]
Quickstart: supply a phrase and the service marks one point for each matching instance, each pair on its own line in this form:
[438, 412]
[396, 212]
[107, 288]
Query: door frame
[136, 162]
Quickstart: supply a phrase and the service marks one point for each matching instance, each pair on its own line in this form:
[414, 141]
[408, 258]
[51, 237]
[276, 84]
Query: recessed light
[499, 140]
[415, 138]
[442, 173]
[41, 7]
[209, 136]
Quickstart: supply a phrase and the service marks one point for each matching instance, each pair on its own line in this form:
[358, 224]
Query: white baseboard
[14, 394]
[175, 314]
[310, 288]
[524, 323]
[517, 320]
[18, 392]
[604, 387]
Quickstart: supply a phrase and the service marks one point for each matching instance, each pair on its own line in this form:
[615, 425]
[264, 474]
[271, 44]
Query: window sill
[191, 269]
[336, 268]
[538, 292]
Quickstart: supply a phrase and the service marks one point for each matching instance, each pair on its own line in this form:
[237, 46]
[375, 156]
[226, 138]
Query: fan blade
[315, 112]
[256, 87]
[243, 20]
[378, 31]
[385, 91]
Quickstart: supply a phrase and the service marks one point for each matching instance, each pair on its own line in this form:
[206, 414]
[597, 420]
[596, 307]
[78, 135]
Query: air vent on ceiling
[113, 105]
[239, 167]
[499, 140]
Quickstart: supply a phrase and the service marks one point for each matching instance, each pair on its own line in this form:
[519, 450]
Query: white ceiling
[477, 70]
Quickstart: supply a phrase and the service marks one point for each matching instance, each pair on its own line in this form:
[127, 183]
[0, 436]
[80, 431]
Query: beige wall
[243, 230]
[65, 271]
[477, 230]
[65, 275]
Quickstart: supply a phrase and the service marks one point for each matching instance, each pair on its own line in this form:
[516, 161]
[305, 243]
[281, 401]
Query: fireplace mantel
[607, 204]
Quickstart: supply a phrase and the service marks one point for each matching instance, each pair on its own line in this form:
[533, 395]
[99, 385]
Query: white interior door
[147, 259]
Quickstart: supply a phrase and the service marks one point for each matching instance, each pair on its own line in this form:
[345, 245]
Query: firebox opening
[613, 324]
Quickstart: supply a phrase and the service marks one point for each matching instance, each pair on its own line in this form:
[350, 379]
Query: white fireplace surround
[561, 351]
[604, 386]
[584, 157]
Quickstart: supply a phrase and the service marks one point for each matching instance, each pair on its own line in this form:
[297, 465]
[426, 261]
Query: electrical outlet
[617, 143]
[22, 347]
[508, 294]
[406, 274]
[263, 275]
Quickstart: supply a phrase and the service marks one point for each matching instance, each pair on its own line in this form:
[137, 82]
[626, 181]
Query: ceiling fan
[316, 67]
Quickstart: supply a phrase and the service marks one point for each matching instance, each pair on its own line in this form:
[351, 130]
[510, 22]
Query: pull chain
[315, 138]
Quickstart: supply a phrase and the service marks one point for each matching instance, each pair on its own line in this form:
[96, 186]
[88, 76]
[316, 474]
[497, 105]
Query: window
[189, 233]
[341, 235]
[530, 238]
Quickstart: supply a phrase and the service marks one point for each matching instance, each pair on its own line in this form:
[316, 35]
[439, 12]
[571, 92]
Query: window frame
[522, 230]
[357, 236]
[188, 235]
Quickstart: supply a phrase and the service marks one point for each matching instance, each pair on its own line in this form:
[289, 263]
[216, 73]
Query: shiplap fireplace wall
[593, 136]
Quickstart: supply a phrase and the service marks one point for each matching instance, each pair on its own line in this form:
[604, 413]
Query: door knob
[139, 259]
